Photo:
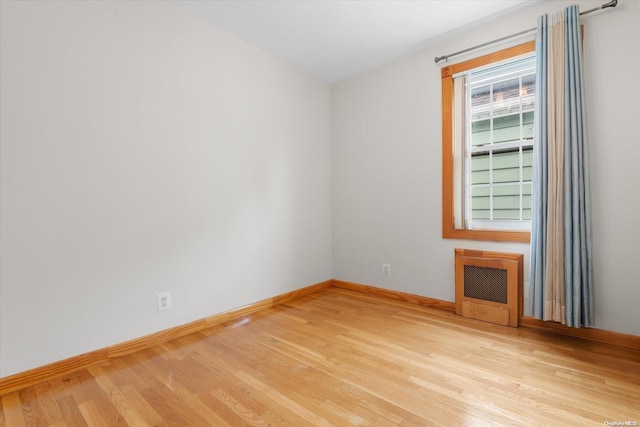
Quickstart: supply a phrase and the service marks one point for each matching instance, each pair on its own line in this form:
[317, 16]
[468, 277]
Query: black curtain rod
[612, 3]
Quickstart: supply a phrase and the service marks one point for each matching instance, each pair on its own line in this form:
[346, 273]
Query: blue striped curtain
[561, 275]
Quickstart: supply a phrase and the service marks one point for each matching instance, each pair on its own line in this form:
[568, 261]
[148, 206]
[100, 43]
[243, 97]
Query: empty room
[317, 212]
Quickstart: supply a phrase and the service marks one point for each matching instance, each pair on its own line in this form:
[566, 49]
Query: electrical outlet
[164, 301]
[386, 269]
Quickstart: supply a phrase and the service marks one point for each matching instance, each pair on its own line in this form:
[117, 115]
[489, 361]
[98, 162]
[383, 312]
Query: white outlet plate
[386, 269]
[164, 301]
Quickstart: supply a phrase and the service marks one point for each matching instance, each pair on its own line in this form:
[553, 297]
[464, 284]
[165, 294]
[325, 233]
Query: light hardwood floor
[339, 357]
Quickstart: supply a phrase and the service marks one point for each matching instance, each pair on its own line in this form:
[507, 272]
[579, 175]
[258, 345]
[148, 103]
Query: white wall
[144, 151]
[387, 165]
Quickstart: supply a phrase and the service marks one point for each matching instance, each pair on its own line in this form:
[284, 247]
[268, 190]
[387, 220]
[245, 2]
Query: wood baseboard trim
[591, 334]
[397, 295]
[56, 369]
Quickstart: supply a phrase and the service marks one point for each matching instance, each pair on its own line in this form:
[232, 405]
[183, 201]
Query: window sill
[487, 235]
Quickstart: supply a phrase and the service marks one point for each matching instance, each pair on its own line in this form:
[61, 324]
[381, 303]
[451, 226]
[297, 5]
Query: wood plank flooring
[343, 358]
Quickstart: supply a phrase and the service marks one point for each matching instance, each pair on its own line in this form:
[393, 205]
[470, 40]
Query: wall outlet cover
[164, 301]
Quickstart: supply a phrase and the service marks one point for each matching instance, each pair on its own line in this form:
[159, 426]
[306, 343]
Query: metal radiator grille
[488, 284]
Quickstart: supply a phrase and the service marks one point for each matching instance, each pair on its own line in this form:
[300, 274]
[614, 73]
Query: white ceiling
[335, 39]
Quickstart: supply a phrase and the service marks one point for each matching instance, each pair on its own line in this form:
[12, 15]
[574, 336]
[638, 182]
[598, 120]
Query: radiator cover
[489, 286]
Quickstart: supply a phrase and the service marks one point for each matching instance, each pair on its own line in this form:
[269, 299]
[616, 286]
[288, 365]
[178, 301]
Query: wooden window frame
[448, 223]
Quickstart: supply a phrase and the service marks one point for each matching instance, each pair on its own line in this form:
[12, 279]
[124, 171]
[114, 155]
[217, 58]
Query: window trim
[448, 225]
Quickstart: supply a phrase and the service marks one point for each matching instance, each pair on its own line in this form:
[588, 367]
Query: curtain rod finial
[612, 3]
[440, 58]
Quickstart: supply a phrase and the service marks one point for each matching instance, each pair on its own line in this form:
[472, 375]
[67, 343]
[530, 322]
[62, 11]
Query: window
[499, 147]
[488, 107]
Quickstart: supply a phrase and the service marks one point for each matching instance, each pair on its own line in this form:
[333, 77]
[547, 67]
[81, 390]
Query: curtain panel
[561, 274]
